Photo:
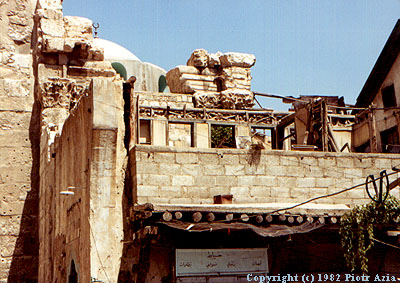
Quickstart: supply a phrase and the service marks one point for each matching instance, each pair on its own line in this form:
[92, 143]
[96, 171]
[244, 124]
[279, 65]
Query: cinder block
[208, 159]
[276, 171]
[289, 161]
[345, 162]
[246, 180]
[260, 191]
[208, 181]
[170, 169]
[156, 180]
[182, 181]
[286, 182]
[234, 169]
[353, 172]
[187, 158]
[267, 181]
[229, 159]
[254, 170]
[148, 168]
[327, 162]
[300, 193]
[226, 181]
[280, 193]
[383, 163]
[324, 182]
[192, 169]
[148, 191]
[306, 182]
[296, 171]
[358, 193]
[164, 157]
[214, 170]
[309, 161]
[169, 191]
[239, 192]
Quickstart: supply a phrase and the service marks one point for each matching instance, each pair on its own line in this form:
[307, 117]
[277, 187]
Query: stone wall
[19, 145]
[180, 176]
[88, 156]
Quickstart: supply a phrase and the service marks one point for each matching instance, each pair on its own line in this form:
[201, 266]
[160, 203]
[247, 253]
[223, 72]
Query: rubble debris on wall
[216, 80]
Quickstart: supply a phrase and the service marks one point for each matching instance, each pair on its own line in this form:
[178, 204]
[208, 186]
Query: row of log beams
[210, 217]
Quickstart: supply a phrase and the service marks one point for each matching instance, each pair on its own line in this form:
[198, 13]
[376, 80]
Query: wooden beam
[178, 215]
[167, 216]
[197, 216]
[210, 217]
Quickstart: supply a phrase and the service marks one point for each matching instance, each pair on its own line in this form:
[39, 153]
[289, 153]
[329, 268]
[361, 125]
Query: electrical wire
[384, 243]
[308, 201]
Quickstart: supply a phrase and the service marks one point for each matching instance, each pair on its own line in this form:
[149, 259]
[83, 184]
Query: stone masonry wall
[19, 145]
[180, 176]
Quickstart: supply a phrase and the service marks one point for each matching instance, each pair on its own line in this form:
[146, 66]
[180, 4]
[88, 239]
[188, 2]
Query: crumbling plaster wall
[384, 119]
[182, 176]
[19, 145]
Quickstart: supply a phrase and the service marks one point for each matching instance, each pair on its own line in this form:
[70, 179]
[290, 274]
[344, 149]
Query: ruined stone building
[114, 170]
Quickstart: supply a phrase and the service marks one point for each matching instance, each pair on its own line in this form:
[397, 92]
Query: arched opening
[120, 69]
[73, 275]
[162, 83]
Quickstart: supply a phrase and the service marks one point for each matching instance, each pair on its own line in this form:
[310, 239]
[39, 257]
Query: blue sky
[301, 47]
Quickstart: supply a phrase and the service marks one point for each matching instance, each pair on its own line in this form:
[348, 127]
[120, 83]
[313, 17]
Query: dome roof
[114, 51]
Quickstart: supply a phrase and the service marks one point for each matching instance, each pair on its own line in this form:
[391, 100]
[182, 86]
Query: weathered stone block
[53, 44]
[358, 193]
[383, 163]
[199, 58]
[54, 28]
[78, 27]
[296, 171]
[289, 161]
[237, 59]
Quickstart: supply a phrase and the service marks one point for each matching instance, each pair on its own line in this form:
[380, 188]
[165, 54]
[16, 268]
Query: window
[223, 136]
[389, 97]
[180, 134]
[144, 132]
[390, 138]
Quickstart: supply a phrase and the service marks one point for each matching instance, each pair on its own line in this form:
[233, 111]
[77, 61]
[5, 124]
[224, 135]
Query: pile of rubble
[216, 80]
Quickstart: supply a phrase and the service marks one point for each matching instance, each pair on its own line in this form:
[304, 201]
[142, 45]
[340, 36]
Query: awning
[272, 230]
